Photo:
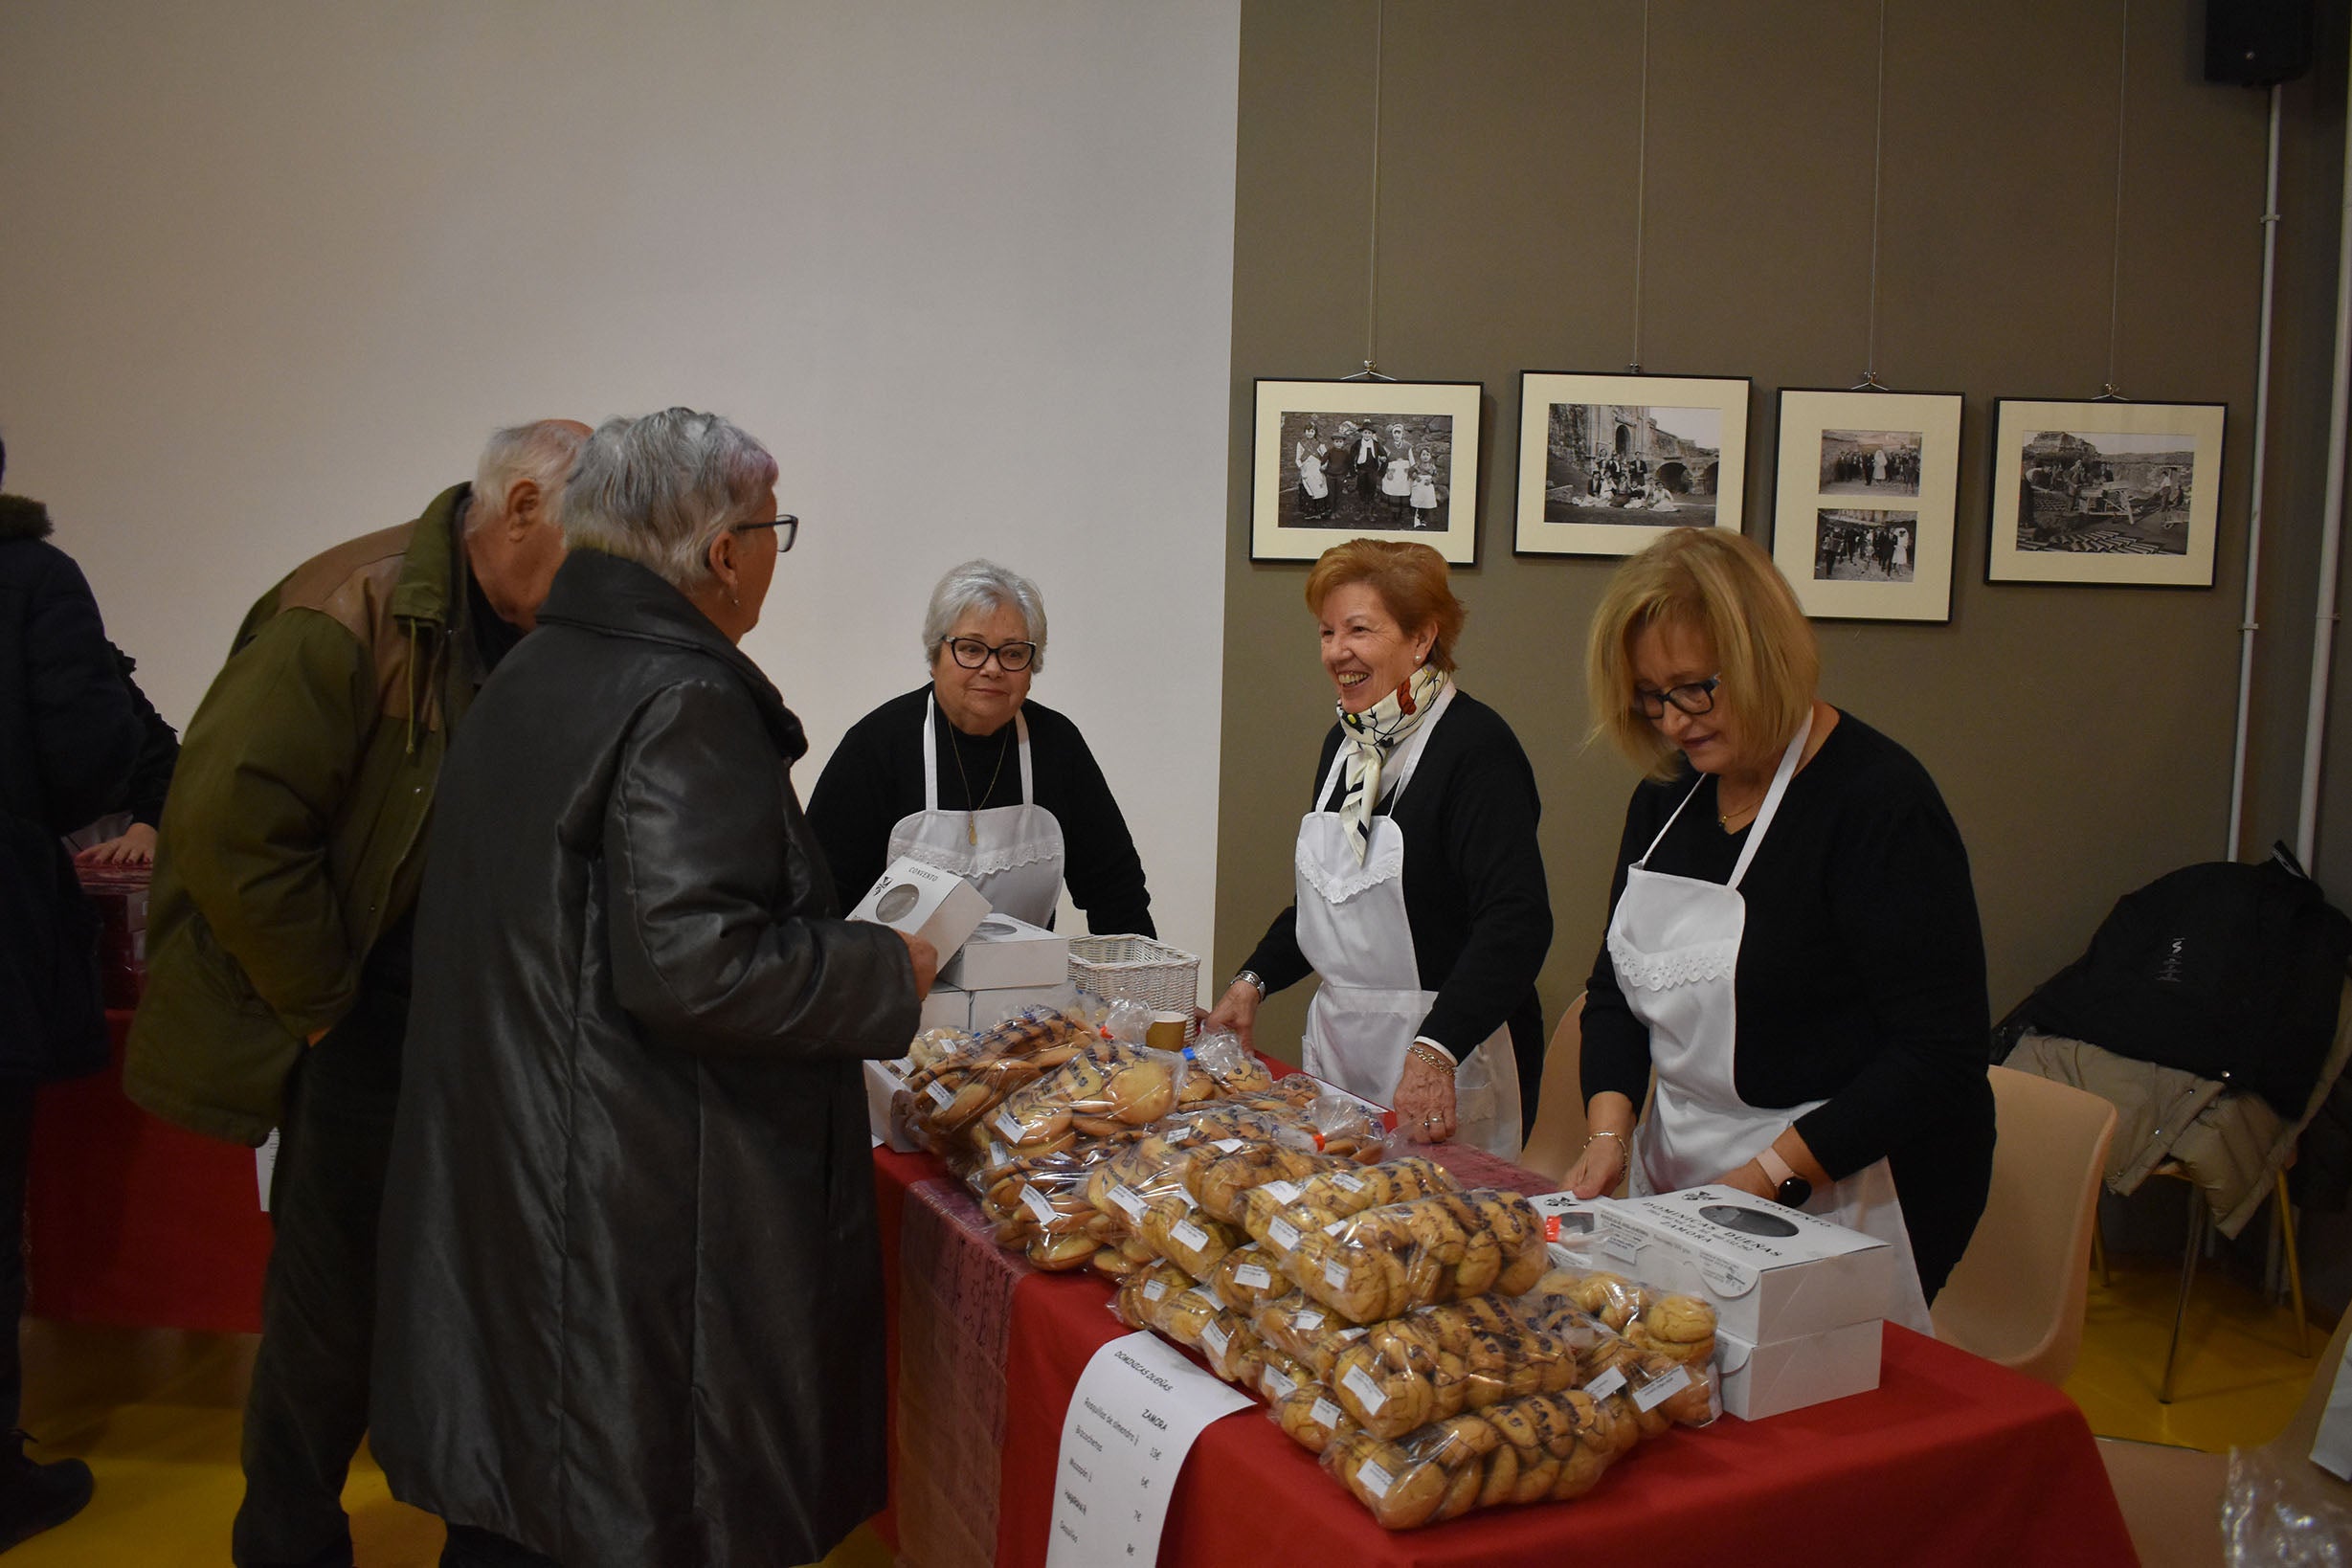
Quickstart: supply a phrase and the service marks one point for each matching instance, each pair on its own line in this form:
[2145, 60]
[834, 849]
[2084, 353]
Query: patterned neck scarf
[1373, 738]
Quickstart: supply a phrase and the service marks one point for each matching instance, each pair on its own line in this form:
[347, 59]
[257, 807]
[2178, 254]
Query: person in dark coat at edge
[631, 1309]
[69, 737]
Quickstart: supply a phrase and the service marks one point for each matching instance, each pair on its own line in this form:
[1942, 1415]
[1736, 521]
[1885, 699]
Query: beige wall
[274, 270]
[2080, 735]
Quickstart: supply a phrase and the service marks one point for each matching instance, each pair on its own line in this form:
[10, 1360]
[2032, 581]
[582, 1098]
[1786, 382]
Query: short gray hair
[659, 489]
[543, 449]
[982, 585]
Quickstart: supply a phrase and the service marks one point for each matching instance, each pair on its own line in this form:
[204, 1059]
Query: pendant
[972, 829]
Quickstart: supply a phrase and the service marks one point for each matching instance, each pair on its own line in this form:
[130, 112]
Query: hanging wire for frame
[1640, 195]
[1371, 248]
[2109, 393]
[1869, 381]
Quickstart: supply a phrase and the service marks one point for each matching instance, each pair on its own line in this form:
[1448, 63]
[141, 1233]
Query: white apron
[1353, 929]
[1017, 859]
[1674, 945]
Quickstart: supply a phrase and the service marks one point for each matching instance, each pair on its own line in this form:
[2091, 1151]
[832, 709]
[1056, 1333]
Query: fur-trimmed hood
[22, 518]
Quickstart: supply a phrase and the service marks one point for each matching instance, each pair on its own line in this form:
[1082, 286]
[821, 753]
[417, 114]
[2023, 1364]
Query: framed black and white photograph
[1605, 462]
[2112, 493]
[1865, 501]
[1365, 459]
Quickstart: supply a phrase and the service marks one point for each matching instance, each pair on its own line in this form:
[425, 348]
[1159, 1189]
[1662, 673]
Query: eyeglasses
[787, 529]
[1012, 658]
[1696, 698]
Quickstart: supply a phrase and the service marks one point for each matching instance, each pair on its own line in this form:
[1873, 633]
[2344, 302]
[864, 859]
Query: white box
[1771, 1272]
[923, 901]
[993, 1006]
[882, 1085]
[1003, 952]
[1759, 1381]
[945, 1008]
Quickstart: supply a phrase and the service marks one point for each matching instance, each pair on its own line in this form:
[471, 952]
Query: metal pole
[2247, 625]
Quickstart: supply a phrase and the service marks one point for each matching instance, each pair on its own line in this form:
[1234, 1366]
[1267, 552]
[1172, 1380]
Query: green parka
[294, 832]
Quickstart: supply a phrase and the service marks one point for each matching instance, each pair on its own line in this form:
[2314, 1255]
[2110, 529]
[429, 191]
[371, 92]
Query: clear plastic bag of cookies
[1232, 1066]
[1039, 1207]
[1310, 1416]
[1179, 1230]
[1124, 1184]
[1384, 1262]
[968, 1079]
[1278, 1214]
[1306, 1331]
[1233, 1166]
[1136, 1301]
[1667, 1372]
[1440, 1360]
[1540, 1448]
[1246, 1277]
[1232, 1349]
[1101, 1090]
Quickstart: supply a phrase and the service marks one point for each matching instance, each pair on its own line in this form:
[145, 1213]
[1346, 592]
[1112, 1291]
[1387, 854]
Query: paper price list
[1134, 1417]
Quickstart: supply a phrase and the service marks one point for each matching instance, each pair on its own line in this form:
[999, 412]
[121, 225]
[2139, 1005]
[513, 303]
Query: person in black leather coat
[631, 1309]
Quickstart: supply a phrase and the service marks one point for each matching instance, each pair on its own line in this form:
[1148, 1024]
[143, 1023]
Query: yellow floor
[155, 1414]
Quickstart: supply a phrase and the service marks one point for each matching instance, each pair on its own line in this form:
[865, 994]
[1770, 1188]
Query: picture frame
[1866, 502]
[1608, 461]
[1393, 460]
[2105, 493]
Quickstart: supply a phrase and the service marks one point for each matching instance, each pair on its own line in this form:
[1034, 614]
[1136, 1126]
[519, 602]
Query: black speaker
[2257, 43]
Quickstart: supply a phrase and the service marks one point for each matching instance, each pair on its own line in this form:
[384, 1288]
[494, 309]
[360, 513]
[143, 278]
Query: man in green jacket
[278, 932]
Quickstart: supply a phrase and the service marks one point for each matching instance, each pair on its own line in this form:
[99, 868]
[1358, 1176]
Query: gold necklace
[971, 808]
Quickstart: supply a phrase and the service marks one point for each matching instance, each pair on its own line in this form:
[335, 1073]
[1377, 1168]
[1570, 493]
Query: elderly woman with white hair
[967, 775]
[630, 1308]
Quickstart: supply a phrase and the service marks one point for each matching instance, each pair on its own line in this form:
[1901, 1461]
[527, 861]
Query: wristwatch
[1251, 975]
[1788, 1187]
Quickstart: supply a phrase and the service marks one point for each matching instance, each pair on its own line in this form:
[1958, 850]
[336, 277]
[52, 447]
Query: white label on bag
[1283, 1234]
[1253, 1277]
[1153, 1290]
[1039, 1204]
[1328, 1416]
[1348, 1180]
[1367, 1391]
[941, 1095]
[1307, 1321]
[1228, 1146]
[1185, 1233]
[1129, 1202]
[1283, 1193]
[1006, 1124]
[1661, 1389]
[1607, 1384]
[904, 1066]
[1335, 1275]
[1214, 1339]
[1277, 1384]
[1351, 1335]
[1335, 1227]
[1375, 1478]
[999, 1154]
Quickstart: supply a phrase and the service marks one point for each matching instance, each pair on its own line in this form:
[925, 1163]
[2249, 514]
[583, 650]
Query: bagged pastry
[1246, 1277]
[1542, 1447]
[1267, 1211]
[1310, 1416]
[1191, 1238]
[1664, 1378]
[1136, 1302]
[1218, 1181]
[1440, 1360]
[1306, 1331]
[1383, 1262]
[1102, 1089]
[1229, 1065]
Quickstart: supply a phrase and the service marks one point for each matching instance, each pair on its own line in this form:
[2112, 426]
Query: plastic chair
[2017, 1296]
[2172, 1497]
[1559, 1134]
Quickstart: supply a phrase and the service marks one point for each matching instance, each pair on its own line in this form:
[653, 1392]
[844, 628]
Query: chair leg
[2295, 1267]
[2198, 1221]
[2098, 1250]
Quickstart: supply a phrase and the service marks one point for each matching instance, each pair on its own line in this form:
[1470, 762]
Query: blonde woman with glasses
[1793, 945]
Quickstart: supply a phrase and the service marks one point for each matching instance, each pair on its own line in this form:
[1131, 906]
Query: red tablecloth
[1952, 1460]
[131, 1220]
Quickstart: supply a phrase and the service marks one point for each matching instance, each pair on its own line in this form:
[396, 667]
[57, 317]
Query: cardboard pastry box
[923, 901]
[1772, 1273]
[1003, 952]
[1759, 1381]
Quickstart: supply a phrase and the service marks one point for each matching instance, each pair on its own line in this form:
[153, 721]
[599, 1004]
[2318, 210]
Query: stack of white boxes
[1006, 965]
[1799, 1301]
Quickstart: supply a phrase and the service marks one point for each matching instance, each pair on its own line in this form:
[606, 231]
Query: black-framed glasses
[972, 652]
[787, 529]
[1694, 698]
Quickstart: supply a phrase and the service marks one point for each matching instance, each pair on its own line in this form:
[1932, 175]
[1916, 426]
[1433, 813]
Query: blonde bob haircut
[1721, 586]
[1411, 580]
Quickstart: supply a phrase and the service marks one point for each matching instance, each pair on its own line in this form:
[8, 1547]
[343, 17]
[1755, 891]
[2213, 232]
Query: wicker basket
[1161, 977]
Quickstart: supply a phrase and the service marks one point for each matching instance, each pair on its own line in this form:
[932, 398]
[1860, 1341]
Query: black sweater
[875, 778]
[1474, 892]
[1860, 982]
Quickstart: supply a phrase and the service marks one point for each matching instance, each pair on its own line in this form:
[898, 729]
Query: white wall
[273, 270]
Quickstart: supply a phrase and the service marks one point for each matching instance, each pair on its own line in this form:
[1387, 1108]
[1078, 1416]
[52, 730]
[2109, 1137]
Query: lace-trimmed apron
[1674, 946]
[1352, 928]
[1012, 854]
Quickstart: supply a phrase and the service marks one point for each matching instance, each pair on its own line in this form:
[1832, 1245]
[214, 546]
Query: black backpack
[2232, 972]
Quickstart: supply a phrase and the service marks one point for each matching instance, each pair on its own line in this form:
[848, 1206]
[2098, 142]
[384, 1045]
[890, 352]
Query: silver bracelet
[1256, 979]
